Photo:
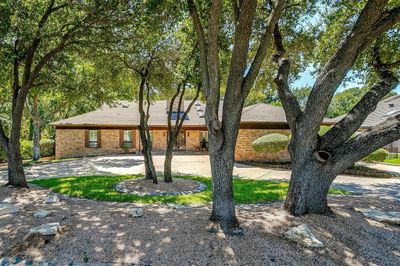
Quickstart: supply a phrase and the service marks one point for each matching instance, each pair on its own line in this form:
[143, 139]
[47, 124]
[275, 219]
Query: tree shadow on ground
[101, 232]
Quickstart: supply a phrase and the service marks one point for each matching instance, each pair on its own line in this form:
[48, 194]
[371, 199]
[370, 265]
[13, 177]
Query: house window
[127, 139]
[93, 139]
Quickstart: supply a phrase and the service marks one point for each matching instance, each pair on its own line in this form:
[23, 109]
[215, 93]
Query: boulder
[381, 216]
[135, 212]
[6, 208]
[303, 235]
[46, 229]
[52, 199]
[42, 213]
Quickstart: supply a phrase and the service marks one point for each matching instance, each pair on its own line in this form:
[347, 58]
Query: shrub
[3, 156]
[26, 149]
[47, 147]
[271, 143]
[377, 156]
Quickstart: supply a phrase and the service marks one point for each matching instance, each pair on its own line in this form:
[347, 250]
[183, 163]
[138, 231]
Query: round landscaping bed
[146, 187]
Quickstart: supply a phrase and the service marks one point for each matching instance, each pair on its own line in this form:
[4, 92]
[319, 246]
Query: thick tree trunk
[36, 141]
[16, 175]
[308, 188]
[168, 158]
[223, 208]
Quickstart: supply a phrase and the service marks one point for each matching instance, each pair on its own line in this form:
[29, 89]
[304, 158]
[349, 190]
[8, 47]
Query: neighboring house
[113, 129]
[385, 109]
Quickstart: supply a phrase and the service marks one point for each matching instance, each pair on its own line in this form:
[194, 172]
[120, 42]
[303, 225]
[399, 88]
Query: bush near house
[271, 143]
[379, 155]
[47, 147]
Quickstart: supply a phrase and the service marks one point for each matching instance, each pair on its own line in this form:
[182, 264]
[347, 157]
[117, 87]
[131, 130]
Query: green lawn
[103, 188]
[393, 161]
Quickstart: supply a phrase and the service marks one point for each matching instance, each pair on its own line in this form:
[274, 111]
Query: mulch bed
[146, 187]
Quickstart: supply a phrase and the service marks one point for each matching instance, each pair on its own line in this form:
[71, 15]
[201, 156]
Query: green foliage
[3, 156]
[47, 148]
[377, 156]
[271, 143]
[393, 161]
[26, 149]
[103, 188]
[323, 130]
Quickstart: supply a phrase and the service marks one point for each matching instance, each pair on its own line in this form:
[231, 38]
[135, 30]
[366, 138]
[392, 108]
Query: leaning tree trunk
[36, 141]
[168, 158]
[16, 175]
[150, 170]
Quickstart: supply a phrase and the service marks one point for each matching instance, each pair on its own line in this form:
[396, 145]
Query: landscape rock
[6, 208]
[178, 206]
[135, 212]
[42, 213]
[46, 229]
[303, 235]
[52, 199]
[381, 216]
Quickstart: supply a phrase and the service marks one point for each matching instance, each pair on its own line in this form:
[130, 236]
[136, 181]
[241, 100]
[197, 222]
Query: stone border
[120, 187]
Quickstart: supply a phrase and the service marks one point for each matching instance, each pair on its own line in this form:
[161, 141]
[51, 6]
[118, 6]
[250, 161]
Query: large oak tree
[243, 70]
[317, 160]
[33, 33]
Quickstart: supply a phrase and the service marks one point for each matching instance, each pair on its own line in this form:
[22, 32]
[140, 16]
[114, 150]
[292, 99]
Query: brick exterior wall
[192, 139]
[71, 143]
[245, 152]
[159, 139]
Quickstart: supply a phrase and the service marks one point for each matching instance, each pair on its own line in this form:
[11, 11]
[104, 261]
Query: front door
[180, 142]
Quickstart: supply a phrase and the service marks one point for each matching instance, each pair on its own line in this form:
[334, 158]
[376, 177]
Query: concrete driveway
[194, 164]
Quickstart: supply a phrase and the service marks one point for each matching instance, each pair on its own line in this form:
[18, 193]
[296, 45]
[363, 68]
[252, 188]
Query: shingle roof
[124, 113]
[384, 109]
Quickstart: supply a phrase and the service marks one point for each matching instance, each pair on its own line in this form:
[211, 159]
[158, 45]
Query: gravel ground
[100, 232]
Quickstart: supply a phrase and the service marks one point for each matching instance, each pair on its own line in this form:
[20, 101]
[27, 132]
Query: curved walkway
[190, 164]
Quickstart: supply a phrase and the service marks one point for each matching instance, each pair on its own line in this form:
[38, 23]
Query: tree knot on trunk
[322, 156]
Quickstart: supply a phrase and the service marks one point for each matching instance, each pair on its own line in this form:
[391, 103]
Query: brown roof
[384, 109]
[124, 113]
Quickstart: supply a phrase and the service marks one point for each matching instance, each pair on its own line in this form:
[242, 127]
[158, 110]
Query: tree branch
[346, 127]
[371, 23]
[367, 142]
[263, 47]
[202, 46]
[213, 99]
[190, 106]
[236, 9]
[289, 101]
[240, 51]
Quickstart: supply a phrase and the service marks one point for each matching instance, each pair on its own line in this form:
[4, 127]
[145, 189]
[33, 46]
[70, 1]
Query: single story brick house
[114, 129]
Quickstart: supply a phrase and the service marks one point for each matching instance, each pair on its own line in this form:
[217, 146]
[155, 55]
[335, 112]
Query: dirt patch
[145, 187]
[101, 232]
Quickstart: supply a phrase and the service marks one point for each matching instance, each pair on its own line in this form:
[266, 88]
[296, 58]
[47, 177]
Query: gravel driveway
[194, 164]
